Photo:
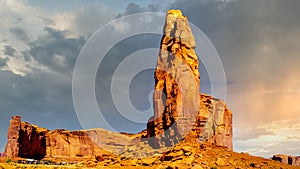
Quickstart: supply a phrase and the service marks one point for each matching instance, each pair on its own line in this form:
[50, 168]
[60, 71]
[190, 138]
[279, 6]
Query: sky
[257, 41]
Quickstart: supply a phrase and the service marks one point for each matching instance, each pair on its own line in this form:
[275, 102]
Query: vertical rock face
[178, 105]
[214, 122]
[12, 146]
[30, 141]
[64, 143]
[287, 159]
[177, 79]
[25, 140]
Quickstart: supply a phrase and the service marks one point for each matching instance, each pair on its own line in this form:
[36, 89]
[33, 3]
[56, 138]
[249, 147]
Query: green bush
[8, 160]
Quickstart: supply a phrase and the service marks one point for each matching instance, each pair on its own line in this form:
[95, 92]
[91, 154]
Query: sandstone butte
[188, 129]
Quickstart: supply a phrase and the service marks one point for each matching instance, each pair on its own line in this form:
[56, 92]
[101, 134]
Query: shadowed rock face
[177, 77]
[25, 140]
[30, 141]
[12, 146]
[287, 159]
[214, 122]
[178, 105]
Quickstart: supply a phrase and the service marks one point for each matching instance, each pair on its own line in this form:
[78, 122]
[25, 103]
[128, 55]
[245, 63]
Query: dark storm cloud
[140, 87]
[3, 62]
[20, 34]
[49, 21]
[41, 98]
[55, 50]
[26, 56]
[91, 18]
[9, 50]
[44, 96]
[240, 28]
[133, 8]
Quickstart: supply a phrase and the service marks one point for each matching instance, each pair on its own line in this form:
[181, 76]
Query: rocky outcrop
[189, 153]
[30, 141]
[287, 159]
[214, 122]
[177, 79]
[178, 105]
[12, 146]
[73, 144]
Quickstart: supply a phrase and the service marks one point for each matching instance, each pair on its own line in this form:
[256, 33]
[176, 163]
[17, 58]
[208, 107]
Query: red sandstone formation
[287, 159]
[178, 105]
[12, 146]
[30, 141]
[214, 122]
[64, 143]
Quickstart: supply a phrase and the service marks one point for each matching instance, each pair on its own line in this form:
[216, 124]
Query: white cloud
[85, 21]
[19, 67]
[20, 13]
[19, 17]
[23, 24]
[285, 139]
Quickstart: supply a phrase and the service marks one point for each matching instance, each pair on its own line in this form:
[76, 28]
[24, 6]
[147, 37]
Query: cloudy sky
[257, 41]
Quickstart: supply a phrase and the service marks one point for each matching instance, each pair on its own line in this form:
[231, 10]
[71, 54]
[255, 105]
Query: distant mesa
[287, 159]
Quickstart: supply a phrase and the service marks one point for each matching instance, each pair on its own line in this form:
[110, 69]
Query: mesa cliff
[287, 159]
[30, 141]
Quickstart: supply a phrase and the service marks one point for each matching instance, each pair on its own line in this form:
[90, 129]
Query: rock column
[12, 146]
[177, 83]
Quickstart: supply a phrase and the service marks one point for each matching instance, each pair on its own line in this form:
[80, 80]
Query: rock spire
[179, 108]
